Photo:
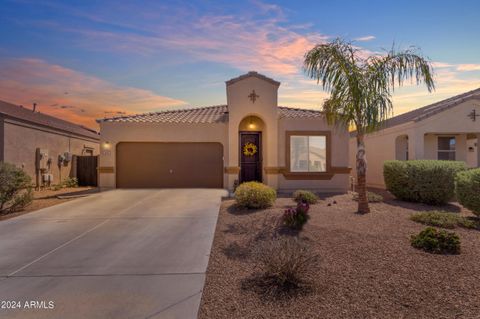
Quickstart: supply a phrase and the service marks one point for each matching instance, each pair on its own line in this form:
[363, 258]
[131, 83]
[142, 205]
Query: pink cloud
[242, 41]
[458, 67]
[72, 95]
[468, 67]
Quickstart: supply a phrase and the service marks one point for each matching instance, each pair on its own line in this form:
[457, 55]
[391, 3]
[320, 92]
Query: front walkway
[117, 254]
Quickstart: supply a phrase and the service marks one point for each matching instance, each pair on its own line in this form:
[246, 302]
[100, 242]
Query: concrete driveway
[116, 254]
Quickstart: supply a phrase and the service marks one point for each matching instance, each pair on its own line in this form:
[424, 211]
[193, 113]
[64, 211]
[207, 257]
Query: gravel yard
[367, 268]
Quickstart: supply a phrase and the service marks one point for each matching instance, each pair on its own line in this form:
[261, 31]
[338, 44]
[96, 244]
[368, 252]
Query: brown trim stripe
[106, 170]
[274, 170]
[232, 170]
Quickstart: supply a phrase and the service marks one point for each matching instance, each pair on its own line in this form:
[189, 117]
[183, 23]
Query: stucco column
[232, 160]
[106, 164]
[461, 147]
[417, 145]
[478, 151]
[271, 159]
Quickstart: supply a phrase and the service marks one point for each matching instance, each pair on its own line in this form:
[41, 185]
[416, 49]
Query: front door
[250, 157]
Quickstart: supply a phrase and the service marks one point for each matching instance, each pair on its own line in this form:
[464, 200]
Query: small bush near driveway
[467, 185]
[15, 188]
[295, 218]
[443, 219]
[302, 196]
[284, 265]
[436, 241]
[71, 182]
[372, 197]
[254, 195]
[425, 181]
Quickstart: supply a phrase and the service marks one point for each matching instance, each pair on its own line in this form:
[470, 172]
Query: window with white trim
[446, 148]
[308, 153]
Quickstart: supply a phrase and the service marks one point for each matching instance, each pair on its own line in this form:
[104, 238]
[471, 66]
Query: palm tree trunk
[363, 207]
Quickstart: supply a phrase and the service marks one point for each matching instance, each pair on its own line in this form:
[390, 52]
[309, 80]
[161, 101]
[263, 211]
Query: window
[308, 153]
[446, 148]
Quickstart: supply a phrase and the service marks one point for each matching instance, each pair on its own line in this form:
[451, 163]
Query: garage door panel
[169, 165]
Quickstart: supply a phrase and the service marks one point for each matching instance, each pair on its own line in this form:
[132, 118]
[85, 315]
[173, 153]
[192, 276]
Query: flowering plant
[296, 217]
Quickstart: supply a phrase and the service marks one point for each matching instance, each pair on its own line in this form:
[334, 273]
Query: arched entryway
[251, 130]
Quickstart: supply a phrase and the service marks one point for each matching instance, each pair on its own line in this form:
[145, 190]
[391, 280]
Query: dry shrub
[237, 251]
[284, 266]
[236, 229]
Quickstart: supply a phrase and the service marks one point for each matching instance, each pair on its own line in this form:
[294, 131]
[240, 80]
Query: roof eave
[252, 74]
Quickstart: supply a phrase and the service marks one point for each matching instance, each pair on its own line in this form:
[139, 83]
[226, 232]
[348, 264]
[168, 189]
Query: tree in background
[361, 89]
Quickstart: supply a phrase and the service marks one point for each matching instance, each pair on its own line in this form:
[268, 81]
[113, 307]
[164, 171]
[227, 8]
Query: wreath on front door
[249, 149]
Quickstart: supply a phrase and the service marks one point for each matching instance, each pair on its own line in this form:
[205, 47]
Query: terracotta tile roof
[27, 115]
[252, 74]
[208, 114]
[290, 112]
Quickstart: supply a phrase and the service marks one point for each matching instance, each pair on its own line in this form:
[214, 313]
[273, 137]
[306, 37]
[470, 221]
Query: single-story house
[43, 145]
[250, 138]
[446, 130]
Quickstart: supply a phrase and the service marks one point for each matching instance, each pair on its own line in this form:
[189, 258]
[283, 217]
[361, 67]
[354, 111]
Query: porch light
[251, 124]
[106, 145]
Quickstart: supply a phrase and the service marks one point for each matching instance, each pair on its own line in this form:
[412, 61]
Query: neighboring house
[42, 144]
[446, 130]
[249, 139]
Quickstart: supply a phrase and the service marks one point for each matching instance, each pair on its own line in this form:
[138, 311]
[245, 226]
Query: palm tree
[361, 88]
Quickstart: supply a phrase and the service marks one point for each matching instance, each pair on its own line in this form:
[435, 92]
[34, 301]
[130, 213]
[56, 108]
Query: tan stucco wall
[265, 108]
[154, 132]
[431, 146]
[380, 147]
[21, 141]
[264, 113]
[423, 139]
[472, 155]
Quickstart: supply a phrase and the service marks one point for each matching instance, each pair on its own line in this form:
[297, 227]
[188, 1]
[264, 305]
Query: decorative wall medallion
[253, 96]
[473, 115]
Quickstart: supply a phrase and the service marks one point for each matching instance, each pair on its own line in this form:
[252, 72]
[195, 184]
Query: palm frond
[360, 89]
[395, 68]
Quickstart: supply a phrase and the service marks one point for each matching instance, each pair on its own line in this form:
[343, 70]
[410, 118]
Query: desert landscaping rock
[367, 267]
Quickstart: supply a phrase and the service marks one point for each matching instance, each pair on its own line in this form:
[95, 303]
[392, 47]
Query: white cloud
[365, 38]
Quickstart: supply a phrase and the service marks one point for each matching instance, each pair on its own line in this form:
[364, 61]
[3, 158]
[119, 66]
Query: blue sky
[86, 59]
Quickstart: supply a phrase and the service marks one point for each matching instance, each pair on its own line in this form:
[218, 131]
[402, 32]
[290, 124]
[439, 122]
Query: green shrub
[467, 186]
[425, 181]
[15, 188]
[303, 196]
[443, 219]
[296, 217]
[254, 195]
[436, 241]
[372, 197]
[22, 200]
[71, 182]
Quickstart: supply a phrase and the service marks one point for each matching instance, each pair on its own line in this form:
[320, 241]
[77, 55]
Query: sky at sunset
[83, 60]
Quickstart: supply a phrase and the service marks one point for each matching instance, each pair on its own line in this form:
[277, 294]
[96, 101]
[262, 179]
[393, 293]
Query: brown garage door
[175, 165]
